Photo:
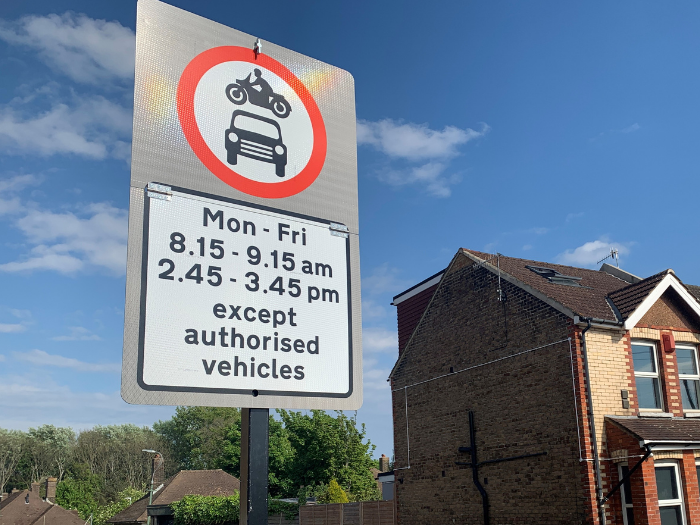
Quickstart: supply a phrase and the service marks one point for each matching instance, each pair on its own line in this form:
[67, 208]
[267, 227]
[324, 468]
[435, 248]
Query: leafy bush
[207, 510]
[333, 494]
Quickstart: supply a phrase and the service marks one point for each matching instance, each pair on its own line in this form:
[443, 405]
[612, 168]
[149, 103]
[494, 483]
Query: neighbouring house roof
[604, 296]
[627, 299]
[587, 300]
[695, 290]
[660, 430]
[184, 483]
[15, 511]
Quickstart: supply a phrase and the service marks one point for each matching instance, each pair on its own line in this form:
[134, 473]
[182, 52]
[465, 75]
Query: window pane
[689, 389]
[643, 358]
[686, 361]
[648, 392]
[670, 515]
[666, 487]
[626, 487]
[630, 516]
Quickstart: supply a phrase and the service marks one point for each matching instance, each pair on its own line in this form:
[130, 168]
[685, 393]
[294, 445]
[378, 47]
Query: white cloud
[527, 247]
[86, 50]
[429, 175]
[415, 141]
[588, 254]
[629, 129]
[571, 216]
[66, 242]
[12, 328]
[36, 399]
[372, 310]
[384, 279]
[77, 333]
[8, 187]
[41, 358]
[93, 127]
[379, 340]
[2, 357]
[427, 151]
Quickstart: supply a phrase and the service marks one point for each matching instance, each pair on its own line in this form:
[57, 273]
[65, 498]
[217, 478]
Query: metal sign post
[254, 465]
[243, 269]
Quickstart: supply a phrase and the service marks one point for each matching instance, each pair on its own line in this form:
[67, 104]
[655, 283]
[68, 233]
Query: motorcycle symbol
[259, 93]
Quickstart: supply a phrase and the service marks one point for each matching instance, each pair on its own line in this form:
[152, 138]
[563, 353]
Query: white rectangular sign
[243, 263]
[243, 299]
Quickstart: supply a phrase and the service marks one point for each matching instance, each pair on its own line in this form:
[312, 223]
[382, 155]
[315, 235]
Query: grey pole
[254, 465]
[153, 471]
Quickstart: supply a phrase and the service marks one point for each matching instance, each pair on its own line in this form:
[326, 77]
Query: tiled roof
[661, 429]
[695, 290]
[588, 300]
[14, 511]
[185, 482]
[627, 299]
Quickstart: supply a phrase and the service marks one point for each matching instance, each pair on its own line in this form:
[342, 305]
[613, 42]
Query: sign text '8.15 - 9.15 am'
[267, 297]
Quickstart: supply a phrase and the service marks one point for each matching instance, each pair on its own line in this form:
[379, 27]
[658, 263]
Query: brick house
[27, 507]
[574, 380]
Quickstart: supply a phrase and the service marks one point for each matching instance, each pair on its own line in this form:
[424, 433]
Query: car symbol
[257, 138]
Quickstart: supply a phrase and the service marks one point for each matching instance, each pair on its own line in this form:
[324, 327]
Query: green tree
[125, 498]
[326, 448]
[333, 494]
[81, 493]
[197, 435]
[280, 457]
[12, 444]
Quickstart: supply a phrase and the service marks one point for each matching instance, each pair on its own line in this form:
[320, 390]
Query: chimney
[51, 489]
[158, 467]
[4, 496]
[383, 464]
[35, 488]
[14, 491]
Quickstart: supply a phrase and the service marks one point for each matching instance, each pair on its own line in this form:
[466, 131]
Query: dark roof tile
[589, 300]
[627, 299]
[661, 429]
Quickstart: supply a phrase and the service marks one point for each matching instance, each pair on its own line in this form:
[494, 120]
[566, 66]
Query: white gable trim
[670, 281]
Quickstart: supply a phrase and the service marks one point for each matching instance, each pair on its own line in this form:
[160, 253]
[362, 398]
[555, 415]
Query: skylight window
[554, 276]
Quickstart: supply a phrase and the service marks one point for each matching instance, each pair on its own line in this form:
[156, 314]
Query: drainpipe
[596, 458]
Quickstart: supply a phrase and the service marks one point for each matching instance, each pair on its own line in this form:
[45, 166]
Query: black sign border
[144, 291]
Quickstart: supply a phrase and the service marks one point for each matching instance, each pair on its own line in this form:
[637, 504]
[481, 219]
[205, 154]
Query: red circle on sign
[186, 88]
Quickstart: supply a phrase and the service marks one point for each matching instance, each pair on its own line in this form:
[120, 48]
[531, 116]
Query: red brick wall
[522, 404]
[409, 312]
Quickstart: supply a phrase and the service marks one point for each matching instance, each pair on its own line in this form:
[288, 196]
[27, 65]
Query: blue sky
[551, 131]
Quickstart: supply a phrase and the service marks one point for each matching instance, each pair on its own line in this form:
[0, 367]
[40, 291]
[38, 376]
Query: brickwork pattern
[669, 311]
[521, 405]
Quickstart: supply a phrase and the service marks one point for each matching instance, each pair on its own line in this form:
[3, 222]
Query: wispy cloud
[383, 279]
[9, 202]
[77, 333]
[572, 216]
[2, 357]
[424, 152]
[589, 253]
[66, 242]
[91, 127]
[86, 50]
[623, 131]
[35, 399]
[379, 340]
[41, 358]
[371, 309]
[12, 328]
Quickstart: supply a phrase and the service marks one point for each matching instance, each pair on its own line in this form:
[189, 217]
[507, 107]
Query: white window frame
[625, 504]
[679, 487]
[692, 377]
[655, 375]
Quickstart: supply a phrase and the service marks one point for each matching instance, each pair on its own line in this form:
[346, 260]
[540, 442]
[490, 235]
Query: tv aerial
[612, 255]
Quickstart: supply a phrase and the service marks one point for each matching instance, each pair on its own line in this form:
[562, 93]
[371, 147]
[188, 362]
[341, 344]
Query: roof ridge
[644, 281]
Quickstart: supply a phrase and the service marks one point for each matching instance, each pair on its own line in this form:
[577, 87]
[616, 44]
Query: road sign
[243, 284]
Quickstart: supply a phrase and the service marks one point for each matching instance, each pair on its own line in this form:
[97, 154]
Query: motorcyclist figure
[265, 89]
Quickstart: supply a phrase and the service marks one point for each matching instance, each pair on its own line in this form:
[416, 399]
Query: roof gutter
[598, 323]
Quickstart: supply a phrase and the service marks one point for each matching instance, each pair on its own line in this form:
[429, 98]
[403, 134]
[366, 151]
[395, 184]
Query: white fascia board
[529, 289]
[670, 281]
[669, 445]
[418, 289]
